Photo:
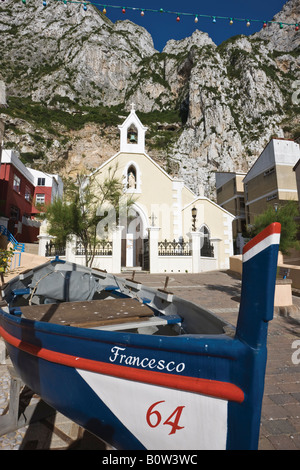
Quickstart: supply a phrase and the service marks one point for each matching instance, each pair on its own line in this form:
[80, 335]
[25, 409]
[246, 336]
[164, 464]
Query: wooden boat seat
[90, 313]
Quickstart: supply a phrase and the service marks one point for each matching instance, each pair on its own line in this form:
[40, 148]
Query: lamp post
[194, 215]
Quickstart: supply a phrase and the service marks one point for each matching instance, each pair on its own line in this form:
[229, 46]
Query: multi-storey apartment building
[230, 196]
[271, 179]
[22, 192]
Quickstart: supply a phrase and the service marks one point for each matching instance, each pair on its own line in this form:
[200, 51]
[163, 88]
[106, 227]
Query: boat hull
[147, 391]
[194, 382]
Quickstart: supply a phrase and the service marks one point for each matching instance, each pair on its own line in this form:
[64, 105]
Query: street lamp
[194, 215]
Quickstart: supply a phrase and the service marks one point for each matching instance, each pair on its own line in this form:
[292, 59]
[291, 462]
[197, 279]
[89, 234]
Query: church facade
[165, 222]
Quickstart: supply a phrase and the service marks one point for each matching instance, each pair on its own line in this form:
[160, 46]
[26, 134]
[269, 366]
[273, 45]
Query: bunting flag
[196, 16]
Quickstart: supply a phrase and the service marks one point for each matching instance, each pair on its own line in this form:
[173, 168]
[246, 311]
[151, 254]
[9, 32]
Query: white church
[168, 228]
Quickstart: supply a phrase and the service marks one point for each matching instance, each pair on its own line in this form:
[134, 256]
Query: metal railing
[18, 247]
[102, 248]
[174, 248]
[54, 249]
[207, 249]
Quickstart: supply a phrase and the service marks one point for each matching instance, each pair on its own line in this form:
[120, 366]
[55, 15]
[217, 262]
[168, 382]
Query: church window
[205, 232]
[131, 177]
[207, 249]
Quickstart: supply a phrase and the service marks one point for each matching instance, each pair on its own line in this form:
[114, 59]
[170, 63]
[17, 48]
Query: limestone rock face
[66, 51]
[285, 39]
[71, 76]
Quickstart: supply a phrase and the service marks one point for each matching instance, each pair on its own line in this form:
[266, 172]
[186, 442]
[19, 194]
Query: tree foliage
[286, 215]
[5, 258]
[88, 210]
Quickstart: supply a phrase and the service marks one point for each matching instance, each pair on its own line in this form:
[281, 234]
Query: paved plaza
[220, 293]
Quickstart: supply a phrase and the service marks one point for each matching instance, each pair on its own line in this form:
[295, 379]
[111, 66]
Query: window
[207, 249]
[234, 186]
[41, 182]
[269, 171]
[40, 199]
[204, 230]
[131, 177]
[273, 196]
[17, 184]
[27, 193]
[14, 212]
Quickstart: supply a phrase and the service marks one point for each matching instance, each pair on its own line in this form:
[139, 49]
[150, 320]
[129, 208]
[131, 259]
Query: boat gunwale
[216, 345]
[140, 340]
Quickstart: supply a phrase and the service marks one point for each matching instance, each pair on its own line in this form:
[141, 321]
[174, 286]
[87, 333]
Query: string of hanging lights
[178, 15]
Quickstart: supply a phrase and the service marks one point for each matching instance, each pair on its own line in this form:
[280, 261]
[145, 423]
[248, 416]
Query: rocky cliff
[71, 76]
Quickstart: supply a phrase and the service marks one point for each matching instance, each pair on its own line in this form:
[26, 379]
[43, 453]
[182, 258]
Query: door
[132, 242]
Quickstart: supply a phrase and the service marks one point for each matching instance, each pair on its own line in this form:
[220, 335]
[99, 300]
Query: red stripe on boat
[270, 230]
[215, 388]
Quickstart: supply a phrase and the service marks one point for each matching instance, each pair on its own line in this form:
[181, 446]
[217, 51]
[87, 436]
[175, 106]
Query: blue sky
[163, 26]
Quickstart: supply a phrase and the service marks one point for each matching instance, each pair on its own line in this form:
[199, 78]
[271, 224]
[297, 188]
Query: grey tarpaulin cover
[67, 286]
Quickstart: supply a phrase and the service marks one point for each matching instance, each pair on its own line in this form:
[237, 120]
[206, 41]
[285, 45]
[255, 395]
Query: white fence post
[43, 240]
[195, 238]
[153, 249]
[116, 249]
[71, 249]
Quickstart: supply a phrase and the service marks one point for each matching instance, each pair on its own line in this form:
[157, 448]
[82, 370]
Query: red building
[2, 105]
[21, 189]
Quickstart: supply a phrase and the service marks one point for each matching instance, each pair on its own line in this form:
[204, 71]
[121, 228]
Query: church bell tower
[132, 134]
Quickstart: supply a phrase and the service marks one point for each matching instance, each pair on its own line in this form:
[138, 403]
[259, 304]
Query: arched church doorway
[133, 241]
[207, 249]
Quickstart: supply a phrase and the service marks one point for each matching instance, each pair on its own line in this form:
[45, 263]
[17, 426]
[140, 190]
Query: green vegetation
[5, 259]
[57, 122]
[164, 136]
[47, 117]
[286, 215]
[168, 116]
[30, 157]
[85, 211]
[223, 46]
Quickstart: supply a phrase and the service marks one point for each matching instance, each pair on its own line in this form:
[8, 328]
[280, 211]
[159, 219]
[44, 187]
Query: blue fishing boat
[139, 367]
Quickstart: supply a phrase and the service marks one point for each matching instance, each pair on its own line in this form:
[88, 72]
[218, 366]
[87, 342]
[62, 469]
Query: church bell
[132, 139]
